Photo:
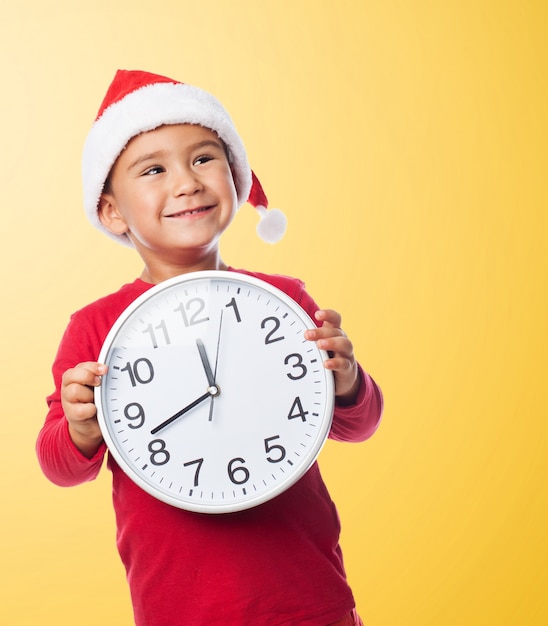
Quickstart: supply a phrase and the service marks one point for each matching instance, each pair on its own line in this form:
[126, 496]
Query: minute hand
[177, 415]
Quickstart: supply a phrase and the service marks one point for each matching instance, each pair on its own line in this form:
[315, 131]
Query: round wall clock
[213, 401]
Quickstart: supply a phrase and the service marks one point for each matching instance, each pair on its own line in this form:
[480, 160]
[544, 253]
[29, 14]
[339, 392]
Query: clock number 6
[243, 472]
[298, 365]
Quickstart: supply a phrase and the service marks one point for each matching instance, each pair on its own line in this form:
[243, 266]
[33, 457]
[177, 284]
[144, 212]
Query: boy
[164, 171]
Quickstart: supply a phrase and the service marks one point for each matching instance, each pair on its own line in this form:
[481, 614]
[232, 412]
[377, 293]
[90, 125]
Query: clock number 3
[297, 365]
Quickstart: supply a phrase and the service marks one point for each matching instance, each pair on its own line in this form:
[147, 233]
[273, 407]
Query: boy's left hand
[330, 337]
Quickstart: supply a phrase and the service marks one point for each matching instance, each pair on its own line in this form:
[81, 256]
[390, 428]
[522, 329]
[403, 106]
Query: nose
[186, 182]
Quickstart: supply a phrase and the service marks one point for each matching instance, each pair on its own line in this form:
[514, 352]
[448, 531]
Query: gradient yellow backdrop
[406, 141]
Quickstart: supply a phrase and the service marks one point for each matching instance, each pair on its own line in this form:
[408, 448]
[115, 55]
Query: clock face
[213, 400]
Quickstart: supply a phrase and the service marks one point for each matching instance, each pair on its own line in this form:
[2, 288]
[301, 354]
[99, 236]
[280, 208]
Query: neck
[157, 274]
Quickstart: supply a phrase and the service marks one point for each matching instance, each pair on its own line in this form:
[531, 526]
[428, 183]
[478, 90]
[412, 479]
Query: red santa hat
[137, 102]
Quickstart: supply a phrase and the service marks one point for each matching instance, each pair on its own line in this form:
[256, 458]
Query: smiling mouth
[197, 211]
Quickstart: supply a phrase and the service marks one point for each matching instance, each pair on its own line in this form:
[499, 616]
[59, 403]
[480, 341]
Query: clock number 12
[195, 307]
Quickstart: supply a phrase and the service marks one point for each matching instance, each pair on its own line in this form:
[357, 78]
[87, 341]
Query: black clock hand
[209, 374]
[209, 394]
[205, 362]
[215, 390]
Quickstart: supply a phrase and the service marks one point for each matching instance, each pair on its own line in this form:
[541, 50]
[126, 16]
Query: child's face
[172, 191]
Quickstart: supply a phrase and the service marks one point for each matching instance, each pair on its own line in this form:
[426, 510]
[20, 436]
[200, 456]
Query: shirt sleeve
[359, 421]
[60, 460]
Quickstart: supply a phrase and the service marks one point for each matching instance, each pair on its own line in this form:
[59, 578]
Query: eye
[155, 169]
[204, 158]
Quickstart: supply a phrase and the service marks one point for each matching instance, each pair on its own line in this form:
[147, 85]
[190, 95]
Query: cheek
[139, 203]
[231, 190]
[227, 182]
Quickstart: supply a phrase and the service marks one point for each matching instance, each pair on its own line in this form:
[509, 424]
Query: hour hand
[213, 388]
[205, 363]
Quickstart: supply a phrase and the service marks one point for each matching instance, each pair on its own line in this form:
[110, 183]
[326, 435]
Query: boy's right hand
[77, 401]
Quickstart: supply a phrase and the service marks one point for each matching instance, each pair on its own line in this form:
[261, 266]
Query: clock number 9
[158, 453]
[298, 365]
[138, 419]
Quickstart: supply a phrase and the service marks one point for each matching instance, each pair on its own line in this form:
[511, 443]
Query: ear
[109, 215]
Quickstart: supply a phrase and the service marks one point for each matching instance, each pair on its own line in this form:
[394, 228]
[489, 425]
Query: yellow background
[406, 141]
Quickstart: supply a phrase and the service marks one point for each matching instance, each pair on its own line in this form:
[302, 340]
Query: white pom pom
[272, 226]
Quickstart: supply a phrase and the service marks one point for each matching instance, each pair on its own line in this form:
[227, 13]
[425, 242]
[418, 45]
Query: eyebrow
[151, 156]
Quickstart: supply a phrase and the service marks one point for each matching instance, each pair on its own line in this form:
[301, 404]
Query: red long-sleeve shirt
[278, 564]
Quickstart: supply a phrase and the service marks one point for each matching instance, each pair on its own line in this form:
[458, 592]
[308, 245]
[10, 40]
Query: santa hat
[137, 102]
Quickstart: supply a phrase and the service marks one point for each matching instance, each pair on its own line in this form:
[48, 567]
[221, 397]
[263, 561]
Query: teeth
[193, 212]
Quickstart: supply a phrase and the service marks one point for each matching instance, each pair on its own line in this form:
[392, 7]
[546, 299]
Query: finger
[339, 345]
[325, 333]
[80, 412]
[77, 393]
[339, 365]
[328, 317]
[88, 373]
